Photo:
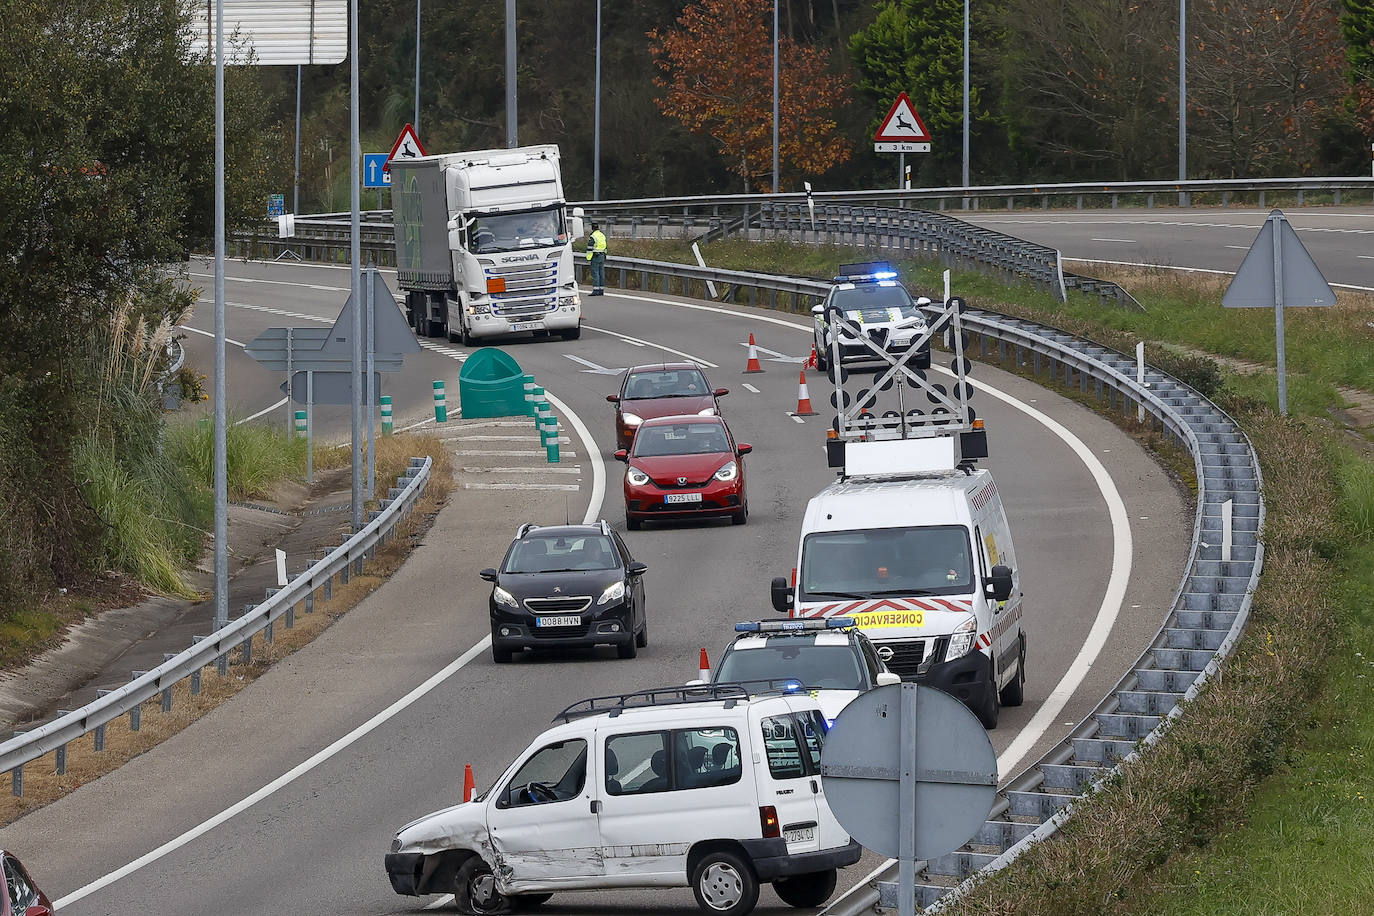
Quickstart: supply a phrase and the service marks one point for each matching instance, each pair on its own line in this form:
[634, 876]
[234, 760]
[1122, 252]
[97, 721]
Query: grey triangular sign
[1253, 284]
[391, 333]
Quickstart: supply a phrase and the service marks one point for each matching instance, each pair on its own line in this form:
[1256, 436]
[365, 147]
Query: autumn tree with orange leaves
[717, 68]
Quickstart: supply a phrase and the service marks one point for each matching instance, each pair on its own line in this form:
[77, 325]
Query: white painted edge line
[406, 429]
[267, 409]
[1190, 270]
[228, 340]
[549, 469]
[749, 387]
[646, 343]
[1130, 241]
[572, 487]
[283, 780]
[512, 453]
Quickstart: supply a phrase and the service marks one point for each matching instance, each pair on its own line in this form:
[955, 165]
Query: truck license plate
[568, 620]
[682, 498]
[799, 834]
[527, 325]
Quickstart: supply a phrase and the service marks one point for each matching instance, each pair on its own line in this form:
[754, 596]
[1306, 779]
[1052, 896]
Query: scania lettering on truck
[912, 542]
[484, 244]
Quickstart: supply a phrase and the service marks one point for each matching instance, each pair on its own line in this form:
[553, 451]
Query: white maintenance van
[484, 244]
[912, 541]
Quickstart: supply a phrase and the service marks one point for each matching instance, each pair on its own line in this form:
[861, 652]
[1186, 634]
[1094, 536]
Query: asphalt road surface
[286, 798]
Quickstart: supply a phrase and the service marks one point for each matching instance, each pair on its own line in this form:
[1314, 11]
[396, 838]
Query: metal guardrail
[343, 561]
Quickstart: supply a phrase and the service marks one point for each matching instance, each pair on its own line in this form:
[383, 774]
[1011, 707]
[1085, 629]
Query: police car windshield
[866, 296]
[670, 383]
[704, 438]
[798, 659]
[538, 554]
[490, 232]
[887, 561]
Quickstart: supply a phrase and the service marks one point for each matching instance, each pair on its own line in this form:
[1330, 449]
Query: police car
[870, 296]
[829, 659]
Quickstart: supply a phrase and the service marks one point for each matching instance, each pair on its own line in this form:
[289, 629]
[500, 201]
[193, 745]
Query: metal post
[371, 384]
[1140, 379]
[1276, 226]
[966, 124]
[596, 114]
[906, 804]
[296, 195]
[1183, 98]
[290, 424]
[775, 98]
[1227, 510]
[511, 132]
[416, 122]
[310, 427]
[355, 275]
[901, 169]
[221, 486]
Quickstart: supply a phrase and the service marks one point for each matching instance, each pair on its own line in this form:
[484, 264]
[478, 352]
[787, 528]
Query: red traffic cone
[469, 785]
[704, 668]
[753, 364]
[803, 399]
[811, 360]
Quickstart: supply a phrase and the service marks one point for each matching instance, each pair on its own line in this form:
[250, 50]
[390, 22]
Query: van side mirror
[781, 594]
[886, 678]
[489, 574]
[997, 586]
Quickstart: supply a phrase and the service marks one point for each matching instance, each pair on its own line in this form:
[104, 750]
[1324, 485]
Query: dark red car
[681, 467]
[21, 896]
[661, 390]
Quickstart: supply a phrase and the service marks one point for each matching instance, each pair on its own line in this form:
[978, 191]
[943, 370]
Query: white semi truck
[484, 244]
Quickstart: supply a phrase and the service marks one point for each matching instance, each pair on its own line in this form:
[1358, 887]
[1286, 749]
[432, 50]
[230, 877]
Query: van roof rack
[615, 704]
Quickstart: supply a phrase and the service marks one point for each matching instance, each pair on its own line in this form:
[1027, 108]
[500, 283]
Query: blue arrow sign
[374, 176]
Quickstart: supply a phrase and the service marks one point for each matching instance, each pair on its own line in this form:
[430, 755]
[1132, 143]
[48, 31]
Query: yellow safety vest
[597, 243]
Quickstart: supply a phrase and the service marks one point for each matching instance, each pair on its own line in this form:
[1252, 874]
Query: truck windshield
[831, 667]
[491, 232]
[891, 562]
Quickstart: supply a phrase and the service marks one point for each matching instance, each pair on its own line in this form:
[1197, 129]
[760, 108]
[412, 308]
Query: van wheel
[1014, 694]
[474, 889]
[724, 883]
[989, 713]
[813, 889]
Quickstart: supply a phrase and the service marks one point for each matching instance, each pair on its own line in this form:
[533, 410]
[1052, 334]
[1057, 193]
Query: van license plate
[527, 325]
[799, 834]
[682, 498]
[571, 620]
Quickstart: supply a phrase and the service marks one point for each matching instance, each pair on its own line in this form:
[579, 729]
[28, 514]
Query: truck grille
[531, 287]
[571, 605]
[908, 656]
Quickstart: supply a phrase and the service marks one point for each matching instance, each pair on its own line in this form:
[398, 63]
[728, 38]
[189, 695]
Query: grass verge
[1259, 800]
[42, 784]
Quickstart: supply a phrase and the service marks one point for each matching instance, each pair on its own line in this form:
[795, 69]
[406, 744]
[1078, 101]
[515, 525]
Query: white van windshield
[877, 562]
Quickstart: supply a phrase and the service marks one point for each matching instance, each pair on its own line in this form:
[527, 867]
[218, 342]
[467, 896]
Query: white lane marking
[1117, 581]
[510, 453]
[795, 418]
[406, 429]
[442, 901]
[1244, 248]
[594, 368]
[573, 487]
[314, 286]
[1169, 223]
[260, 412]
[750, 387]
[1193, 270]
[562, 440]
[283, 780]
[1131, 241]
[228, 340]
[648, 343]
[572, 469]
[1365, 257]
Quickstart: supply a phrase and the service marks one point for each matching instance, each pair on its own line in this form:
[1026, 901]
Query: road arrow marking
[592, 367]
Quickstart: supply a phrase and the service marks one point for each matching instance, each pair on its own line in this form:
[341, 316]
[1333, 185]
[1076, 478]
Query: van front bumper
[964, 678]
[403, 868]
[771, 860]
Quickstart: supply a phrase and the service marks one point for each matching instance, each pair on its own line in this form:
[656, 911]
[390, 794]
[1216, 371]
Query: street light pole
[221, 482]
[775, 96]
[966, 124]
[511, 140]
[355, 279]
[416, 122]
[596, 117]
[296, 195]
[1182, 98]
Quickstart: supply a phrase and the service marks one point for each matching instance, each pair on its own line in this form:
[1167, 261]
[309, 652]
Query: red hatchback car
[680, 467]
[21, 897]
[661, 390]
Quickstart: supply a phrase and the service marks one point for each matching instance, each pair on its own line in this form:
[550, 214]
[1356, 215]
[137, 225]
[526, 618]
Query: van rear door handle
[596, 806]
[815, 789]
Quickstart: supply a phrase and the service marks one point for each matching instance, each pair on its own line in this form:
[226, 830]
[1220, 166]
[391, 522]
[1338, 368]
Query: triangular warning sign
[902, 124]
[407, 146]
[1300, 277]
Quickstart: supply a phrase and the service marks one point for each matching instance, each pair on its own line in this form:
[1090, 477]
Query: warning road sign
[407, 146]
[902, 131]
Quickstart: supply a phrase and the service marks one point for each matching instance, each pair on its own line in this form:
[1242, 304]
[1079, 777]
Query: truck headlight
[614, 592]
[961, 640]
[501, 596]
[636, 477]
[478, 308]
[569, 301]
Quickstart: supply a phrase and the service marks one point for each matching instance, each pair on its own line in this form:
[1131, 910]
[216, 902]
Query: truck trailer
[484, 244]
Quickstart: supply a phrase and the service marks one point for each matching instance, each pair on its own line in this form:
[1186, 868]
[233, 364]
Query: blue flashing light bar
[805, 623]
[867, 272]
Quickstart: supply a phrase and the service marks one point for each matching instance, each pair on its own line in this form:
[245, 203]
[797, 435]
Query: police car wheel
[1014, 694]
[474, 890]
[724, 883]
[806, 890]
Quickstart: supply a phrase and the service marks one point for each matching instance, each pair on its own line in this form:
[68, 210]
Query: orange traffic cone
[803, 399]
[753, 364]
[811, 360]
[469, 785]
[704, 669]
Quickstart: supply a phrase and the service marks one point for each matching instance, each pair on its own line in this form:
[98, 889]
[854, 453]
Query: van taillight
[768, 819]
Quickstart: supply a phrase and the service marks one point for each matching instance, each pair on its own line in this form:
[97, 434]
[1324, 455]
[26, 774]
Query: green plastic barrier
[491, 384]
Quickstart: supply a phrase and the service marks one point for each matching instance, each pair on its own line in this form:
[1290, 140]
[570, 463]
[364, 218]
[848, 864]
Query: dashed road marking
[750, 387]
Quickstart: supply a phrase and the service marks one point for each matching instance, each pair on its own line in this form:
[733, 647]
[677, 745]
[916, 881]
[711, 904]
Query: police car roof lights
[803, 623]
[866, 272]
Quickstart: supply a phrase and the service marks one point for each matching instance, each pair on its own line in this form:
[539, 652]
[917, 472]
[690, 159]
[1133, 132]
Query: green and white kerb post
[386, 415]
[529, 396]
[536, 400]
[547, 425]
[300, 422]
[440, 403]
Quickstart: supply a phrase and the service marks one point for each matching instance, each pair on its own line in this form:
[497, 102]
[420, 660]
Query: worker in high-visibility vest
[596, 253]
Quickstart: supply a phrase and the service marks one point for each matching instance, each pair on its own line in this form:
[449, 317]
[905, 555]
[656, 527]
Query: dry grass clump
[1185, 788]
[42, 784]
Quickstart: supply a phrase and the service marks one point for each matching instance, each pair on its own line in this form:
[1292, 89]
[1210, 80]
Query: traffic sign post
[910, 773]
[1277, 272]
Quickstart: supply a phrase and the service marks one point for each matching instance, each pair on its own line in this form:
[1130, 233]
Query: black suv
[567, 586]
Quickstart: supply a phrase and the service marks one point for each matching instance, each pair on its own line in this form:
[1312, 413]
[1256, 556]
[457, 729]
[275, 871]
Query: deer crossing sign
[902, 131]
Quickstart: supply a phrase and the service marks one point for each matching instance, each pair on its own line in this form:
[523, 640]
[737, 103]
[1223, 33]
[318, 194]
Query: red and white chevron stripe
[843, 609]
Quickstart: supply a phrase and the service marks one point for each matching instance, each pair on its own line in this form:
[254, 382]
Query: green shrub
[256, 455]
